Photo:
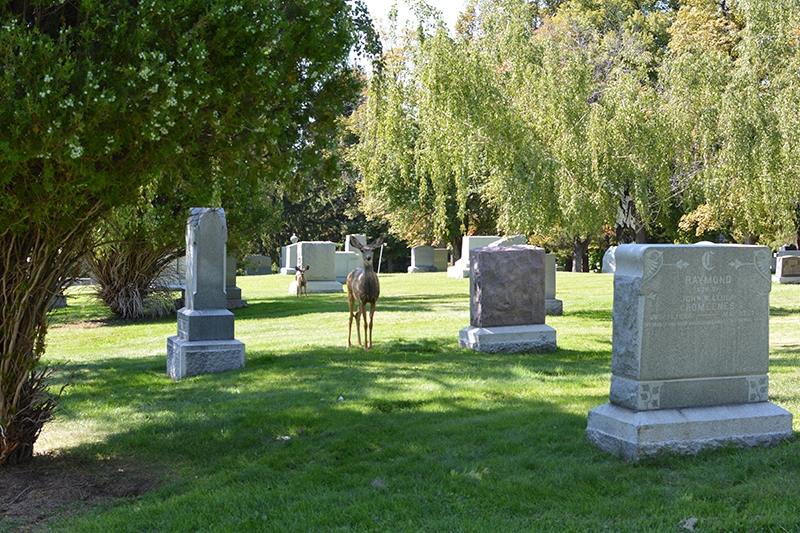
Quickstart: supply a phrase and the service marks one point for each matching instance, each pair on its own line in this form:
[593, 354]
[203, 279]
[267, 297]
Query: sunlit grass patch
[413, 435]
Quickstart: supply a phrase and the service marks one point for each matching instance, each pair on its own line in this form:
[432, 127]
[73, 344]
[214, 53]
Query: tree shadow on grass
[602, 315]
[783, 311]
[337, 303]
[400, 431]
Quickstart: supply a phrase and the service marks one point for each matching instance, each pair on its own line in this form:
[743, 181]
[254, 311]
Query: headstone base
[205, 324]
[793, 279]
[633, 435]
[288, 271]
[234, 299]
[317, 287]
[59, 302]
[553, 307]
[415, 269]
[458, 271]
[509, 339]
[193, 358]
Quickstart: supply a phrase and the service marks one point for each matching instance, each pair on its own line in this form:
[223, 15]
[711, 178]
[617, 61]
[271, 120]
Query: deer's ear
[354, 242]
[377, 242]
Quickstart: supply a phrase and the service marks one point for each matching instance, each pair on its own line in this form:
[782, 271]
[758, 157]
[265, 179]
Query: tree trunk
[35, 268]
[629, 227]
[580, 256]
[796, 220]
[456, 246]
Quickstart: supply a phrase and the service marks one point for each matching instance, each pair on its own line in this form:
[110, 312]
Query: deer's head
[366, 249]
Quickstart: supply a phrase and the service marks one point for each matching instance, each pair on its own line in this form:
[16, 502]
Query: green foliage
[101, 98]
[567, 117]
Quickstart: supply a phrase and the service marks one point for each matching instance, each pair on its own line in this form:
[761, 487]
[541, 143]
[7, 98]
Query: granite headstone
[507, 308]
[205, 342]
[690, 352]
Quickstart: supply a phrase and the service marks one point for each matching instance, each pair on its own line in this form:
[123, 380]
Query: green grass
[414, 435]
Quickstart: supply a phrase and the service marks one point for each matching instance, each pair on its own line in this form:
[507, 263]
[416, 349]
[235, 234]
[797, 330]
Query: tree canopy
[570, 117]
[101, 98]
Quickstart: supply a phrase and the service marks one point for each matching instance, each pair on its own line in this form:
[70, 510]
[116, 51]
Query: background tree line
[569, 121]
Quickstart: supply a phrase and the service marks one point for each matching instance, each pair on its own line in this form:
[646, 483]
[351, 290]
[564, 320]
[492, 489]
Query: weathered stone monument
[321, 257]
[289, 259]
[507, 309]
[422, 259]
[690, 352]
[232, 292]
[609, 261]
[205, 342]
[461, 268]
[787, 267]
[441, 259]
[345, 263]
[552, 305]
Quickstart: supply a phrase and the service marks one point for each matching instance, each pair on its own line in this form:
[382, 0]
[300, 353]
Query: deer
[363, 288]
[300, 280]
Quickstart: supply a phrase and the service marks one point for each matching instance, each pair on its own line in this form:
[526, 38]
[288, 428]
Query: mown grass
[414, 435]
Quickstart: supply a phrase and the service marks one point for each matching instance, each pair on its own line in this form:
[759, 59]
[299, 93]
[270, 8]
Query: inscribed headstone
[787, 268]
[206, 236]
[690, 331]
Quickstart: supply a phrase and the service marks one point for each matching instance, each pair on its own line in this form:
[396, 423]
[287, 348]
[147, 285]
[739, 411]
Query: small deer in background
[363, 288]
[300, 280]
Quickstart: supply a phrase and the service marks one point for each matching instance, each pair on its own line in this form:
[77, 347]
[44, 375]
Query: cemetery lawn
[414, 435]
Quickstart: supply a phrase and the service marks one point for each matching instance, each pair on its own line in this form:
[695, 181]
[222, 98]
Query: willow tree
[441, 142]
[620, 151]
[420, 164]
[787, 190]
[100, 97]
[755, 185]
[696, 74]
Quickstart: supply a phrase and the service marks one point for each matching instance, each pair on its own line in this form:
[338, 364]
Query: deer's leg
[350, 302]
[359, 312]
[371, 315]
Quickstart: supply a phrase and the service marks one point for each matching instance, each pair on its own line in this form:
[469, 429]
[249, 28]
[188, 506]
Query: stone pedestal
[634, 435]
[205, 340]
[690, 352]
[507, 310]
[509, 339]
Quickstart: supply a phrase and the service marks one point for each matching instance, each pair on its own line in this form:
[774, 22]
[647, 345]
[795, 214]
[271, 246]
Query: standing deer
[363, 288]
[300, 280]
